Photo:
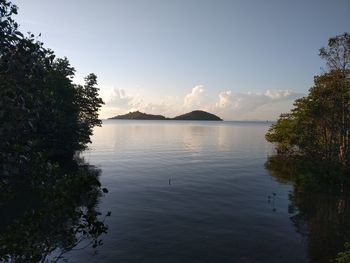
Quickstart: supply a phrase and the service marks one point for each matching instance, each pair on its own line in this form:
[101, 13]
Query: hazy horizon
[171, 118]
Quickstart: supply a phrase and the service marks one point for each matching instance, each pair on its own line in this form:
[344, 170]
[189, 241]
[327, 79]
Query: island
[137, 115]
[197, 115]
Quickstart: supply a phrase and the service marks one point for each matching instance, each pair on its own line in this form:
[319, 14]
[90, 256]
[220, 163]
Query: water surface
[182, 191]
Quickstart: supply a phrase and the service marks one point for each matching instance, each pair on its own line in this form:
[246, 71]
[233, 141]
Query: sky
[239, 59]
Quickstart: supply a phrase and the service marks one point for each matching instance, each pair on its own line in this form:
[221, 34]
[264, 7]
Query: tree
[337, 54]
[44, 116]
[319, 124]
[44, 119]
[282, 133]
[89, 103]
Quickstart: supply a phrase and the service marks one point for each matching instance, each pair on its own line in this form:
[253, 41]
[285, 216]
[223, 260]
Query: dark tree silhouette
[319, 124]
[44, 116]
[44, 120]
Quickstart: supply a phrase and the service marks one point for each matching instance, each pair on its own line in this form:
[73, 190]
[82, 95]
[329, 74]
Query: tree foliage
[319, 124]
[344, 256]
[44, 116]
[44, 120]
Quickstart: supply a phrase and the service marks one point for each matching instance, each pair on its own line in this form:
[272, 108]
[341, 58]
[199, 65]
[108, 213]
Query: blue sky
[239, 59]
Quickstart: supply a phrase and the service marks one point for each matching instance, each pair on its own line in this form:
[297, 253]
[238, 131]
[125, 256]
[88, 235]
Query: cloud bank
[228, 104]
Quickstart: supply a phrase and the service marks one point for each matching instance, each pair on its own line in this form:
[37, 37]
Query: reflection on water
[42, 225]
[190, 192]
[321, 216]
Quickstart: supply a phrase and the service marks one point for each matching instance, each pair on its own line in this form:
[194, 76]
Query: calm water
[191, 192]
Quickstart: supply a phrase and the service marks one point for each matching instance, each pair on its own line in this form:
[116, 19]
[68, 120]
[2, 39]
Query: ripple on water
[191, 192]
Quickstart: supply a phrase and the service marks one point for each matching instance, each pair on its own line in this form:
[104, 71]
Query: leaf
[19, 33]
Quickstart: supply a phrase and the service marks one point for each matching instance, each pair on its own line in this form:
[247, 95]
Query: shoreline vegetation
[196, 115]
[48, 195]
[318, 127]
[312, 143]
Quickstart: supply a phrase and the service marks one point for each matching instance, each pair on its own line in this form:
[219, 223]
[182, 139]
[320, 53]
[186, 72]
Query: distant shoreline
[222, 121]
[197, 115]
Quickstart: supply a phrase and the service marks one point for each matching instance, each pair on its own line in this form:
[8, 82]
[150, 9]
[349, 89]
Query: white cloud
[225, 100]
[228, 105]
[196, 98]
[161, 108]
[118, 102]
[251, 100]
[278, 94]
[232, 105]
[118, 99]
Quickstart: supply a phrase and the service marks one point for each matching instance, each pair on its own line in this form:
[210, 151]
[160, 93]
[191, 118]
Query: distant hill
[196, 115]
[136, 115]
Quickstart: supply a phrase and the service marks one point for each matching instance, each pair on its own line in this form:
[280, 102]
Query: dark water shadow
[319, 204]
[43, 223]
